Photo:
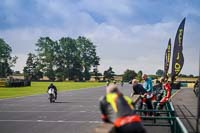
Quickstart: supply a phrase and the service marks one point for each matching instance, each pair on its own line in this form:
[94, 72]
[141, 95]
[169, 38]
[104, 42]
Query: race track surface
[74, 112]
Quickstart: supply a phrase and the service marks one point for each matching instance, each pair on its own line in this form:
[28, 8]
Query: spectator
[148, 86]
[167, 92]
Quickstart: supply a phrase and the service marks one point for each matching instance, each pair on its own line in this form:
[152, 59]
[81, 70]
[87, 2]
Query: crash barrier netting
[166, 118]
[18, 83]
[2, 83]
[14, 83]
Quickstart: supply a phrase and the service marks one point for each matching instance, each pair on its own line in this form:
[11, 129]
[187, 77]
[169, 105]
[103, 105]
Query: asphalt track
[74, 112]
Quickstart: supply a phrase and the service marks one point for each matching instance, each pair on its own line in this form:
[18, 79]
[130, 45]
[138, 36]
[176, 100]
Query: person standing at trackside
[167, 92]
[148, 86]
[137, 88]
[119, 110]
[107, 83]
[55, 89]
[122, 83]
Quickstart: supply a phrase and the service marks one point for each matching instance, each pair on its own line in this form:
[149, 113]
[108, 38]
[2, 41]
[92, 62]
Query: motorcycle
[51, 93]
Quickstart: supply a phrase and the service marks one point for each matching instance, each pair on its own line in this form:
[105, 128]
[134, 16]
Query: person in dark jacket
[55, 89]
[119, 110]
[137, 88]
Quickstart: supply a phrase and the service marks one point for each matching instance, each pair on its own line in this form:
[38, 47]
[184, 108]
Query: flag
[178, 59]
[167, 59]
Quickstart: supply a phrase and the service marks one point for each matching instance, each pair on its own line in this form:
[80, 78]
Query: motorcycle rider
[119, 110]
[55, 89]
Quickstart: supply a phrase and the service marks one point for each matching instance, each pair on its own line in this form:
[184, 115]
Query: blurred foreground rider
[55, 89]
[118, 110]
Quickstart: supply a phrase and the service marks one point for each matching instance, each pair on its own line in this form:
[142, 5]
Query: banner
[178, 59]
[167, 59]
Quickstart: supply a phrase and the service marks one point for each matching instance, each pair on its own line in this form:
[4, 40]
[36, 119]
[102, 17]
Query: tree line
[66, 58]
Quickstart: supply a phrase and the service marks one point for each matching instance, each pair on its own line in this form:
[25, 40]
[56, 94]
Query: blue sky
[128, 33]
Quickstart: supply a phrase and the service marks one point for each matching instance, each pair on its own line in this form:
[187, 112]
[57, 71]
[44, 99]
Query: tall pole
[198, 106]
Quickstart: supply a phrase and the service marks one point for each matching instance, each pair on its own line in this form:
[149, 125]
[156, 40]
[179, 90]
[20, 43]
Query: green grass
[41, 88]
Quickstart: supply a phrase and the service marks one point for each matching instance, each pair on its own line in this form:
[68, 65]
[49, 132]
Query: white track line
[50, 121]
[82, 111]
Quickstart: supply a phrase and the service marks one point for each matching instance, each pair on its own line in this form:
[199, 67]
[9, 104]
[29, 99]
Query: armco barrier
[166, 118]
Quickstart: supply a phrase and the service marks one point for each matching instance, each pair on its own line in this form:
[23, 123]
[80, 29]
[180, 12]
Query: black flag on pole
[178, 59]
[167, 59]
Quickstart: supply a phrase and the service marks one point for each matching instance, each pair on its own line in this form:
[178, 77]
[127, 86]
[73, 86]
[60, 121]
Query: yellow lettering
[177, 67]
[168, 59]
[169, 47]
[180, 36]
[178, 56]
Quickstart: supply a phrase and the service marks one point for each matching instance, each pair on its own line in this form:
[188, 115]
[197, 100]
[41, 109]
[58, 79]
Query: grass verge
[41, 88]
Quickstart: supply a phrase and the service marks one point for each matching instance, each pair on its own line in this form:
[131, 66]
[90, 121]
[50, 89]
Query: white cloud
[139, 47]
[120, 45]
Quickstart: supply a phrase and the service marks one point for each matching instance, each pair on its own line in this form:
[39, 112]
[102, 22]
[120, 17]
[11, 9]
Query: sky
[129, 34]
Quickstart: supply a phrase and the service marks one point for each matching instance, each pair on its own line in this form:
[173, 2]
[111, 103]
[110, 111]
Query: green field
[41, 88]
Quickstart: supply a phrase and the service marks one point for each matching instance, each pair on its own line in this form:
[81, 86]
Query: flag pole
[198, 106]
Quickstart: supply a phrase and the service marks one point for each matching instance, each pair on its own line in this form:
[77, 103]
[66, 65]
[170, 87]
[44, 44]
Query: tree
[139, 76]
[32, 68]
[67, 58]
[153, 77]
[159, 72]
[129, 75]
[87, 55]
[47, 53]
[6, 61]
[191, 75]
[17, 72]
[109, 74]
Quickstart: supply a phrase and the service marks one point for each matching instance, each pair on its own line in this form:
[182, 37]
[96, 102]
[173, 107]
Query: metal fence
[166, 117]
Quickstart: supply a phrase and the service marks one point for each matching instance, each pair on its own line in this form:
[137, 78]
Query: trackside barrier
[179, 127]
[166, 118]
[2, 83]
